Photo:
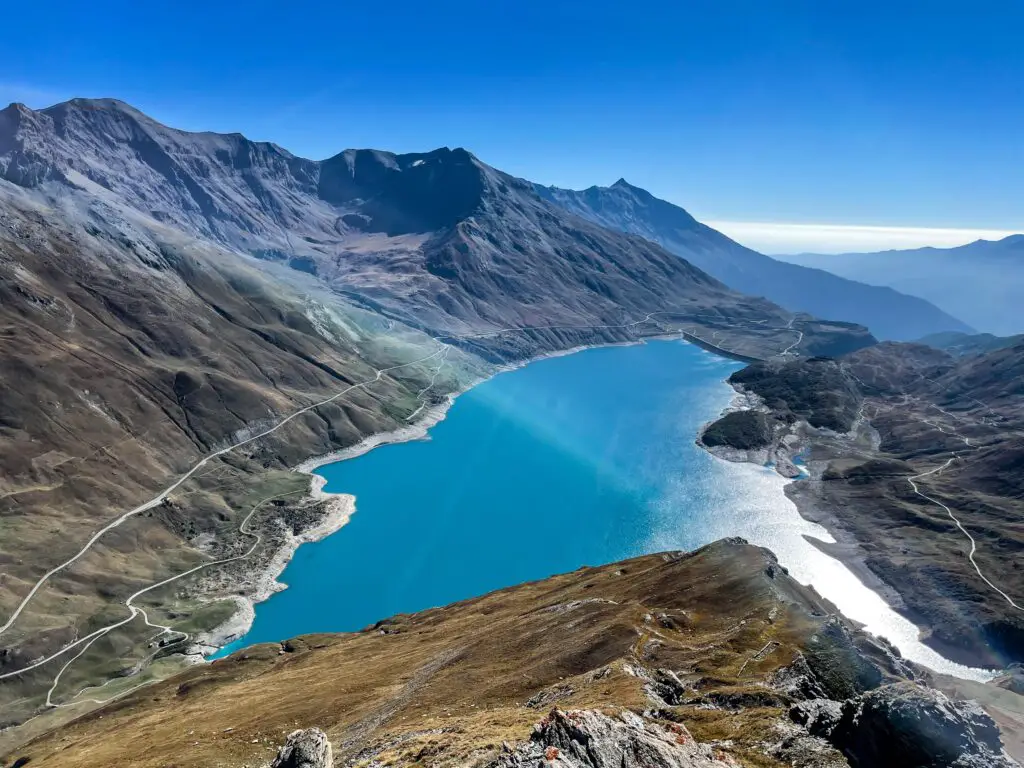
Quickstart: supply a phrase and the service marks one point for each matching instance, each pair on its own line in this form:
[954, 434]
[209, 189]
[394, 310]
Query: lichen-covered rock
[907, 726]
[838, 660]
[798, 749]
[305, 749]
[590, 739]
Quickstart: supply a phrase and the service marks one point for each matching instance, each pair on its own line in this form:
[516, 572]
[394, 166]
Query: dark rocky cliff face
[904, 724]
[402, 194]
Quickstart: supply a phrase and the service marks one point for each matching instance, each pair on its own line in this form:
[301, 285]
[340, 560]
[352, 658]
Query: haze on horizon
[791, 129]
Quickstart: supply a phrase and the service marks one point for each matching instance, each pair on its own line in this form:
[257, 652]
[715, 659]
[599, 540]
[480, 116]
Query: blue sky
[878, 116]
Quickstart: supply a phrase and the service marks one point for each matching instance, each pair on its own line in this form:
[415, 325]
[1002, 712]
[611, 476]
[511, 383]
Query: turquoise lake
[576, 460]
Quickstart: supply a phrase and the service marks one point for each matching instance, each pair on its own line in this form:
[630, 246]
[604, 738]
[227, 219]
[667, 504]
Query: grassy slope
[449, 685]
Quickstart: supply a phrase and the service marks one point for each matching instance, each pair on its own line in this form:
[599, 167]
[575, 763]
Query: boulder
[590, 739]
[305, 749]
[907, 726]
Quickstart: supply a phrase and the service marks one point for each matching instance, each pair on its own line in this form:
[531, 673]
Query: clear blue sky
[886, 113]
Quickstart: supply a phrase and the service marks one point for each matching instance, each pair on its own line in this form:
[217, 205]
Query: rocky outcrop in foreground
[305, 749]
[588, 739]
[896, 726]
[906, 725]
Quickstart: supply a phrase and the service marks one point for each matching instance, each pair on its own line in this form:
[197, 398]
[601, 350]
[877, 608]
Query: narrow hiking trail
[936, 471]
[955, 456]
[974, 544]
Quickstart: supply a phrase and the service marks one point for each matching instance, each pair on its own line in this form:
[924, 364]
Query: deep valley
[187, 317]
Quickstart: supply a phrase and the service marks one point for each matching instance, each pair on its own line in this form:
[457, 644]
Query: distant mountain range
[965, 344]
[980, 282]
[888, 313]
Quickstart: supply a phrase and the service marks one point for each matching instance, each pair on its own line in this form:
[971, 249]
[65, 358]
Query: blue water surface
[576, 460]
[570, 461]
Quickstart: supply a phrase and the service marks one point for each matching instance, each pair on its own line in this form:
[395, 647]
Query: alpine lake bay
[575, 460]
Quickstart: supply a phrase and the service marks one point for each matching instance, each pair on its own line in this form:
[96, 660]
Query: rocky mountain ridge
[886, 312]
[438, 238]
[710, 658]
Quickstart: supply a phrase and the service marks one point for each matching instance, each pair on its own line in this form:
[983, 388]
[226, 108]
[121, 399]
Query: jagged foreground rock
[896, 726]
[714, 658]
[589, 739]
[305, 749]
[905, 724]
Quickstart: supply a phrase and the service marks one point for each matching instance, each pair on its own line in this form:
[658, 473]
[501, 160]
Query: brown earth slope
[891, 418]
[121, 367]
[727, 659]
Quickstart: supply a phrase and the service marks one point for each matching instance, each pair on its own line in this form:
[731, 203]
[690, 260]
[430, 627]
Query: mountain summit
[438, 239]
[622, 206]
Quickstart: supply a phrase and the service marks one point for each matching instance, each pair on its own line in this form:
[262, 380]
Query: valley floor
[923, 501]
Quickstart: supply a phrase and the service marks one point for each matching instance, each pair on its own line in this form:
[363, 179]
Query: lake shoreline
[259, 583]
[783, 454]
[845, 548]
